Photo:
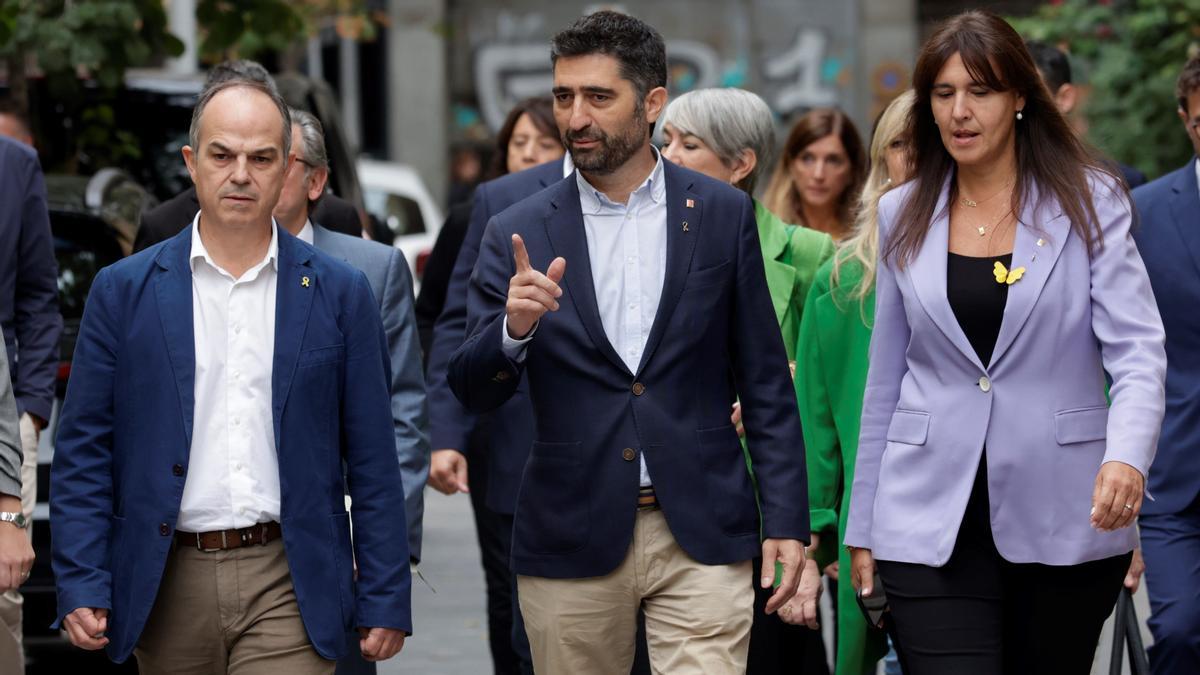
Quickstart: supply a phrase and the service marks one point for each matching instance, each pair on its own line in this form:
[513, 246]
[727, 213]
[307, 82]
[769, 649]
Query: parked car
[396, 197]
[93, 221]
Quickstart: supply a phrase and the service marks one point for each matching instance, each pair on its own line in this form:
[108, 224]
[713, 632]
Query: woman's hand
[1117, 499]
[862, 570]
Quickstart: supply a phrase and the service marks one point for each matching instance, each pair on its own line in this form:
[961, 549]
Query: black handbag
[1126, 633]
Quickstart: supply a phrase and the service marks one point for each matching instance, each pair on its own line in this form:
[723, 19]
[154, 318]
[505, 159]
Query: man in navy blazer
[226, 376]
[649, 321]
[1168, 238]
[31, 325]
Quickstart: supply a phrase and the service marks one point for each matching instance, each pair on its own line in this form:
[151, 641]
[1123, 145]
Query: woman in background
[831, 374]
[820, 173]
[728, 134]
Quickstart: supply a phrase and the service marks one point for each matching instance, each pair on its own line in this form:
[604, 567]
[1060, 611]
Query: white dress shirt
[627, 248]
[233, 470]
[306, 233]
[1197, 163]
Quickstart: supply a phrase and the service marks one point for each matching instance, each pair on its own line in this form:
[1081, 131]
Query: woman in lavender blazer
[994, 487]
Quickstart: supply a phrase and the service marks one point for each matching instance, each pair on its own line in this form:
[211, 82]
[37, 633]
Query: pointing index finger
[520, 255]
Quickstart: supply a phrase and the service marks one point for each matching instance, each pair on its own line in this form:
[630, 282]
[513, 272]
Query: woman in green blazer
[728, 134]
[834, 337]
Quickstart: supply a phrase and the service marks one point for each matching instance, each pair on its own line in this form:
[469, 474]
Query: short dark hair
[210, 92]
[1051, 62]
[1188, 82]
[633, 43]
[240, 70]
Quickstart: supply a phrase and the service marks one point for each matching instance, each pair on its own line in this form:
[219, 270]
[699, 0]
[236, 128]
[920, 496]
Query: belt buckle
[200, 545]
[244, 535]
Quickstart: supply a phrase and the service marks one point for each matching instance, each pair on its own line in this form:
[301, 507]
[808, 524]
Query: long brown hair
[783, 199]
[541, 113]
[1050, 158]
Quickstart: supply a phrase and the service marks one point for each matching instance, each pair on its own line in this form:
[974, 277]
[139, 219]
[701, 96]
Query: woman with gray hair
[728, 134]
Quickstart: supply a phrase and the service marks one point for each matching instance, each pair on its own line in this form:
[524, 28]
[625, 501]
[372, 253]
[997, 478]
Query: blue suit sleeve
[450, 422]
[480, 374]
[769, 412]
[380, 538]
[38, 323]
[81, 488]
[409, 417]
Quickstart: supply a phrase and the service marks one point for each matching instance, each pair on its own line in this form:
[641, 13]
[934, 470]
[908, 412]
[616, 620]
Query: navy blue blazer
[1168, 237]
[510, 429]
[28, 280]
[121, 455]
[714, 338]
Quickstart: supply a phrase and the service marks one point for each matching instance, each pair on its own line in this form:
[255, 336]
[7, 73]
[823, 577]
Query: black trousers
[983, 615]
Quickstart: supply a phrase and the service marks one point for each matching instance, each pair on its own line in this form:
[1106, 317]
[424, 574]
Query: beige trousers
[12, 655]
[697, 616]
[229, 612]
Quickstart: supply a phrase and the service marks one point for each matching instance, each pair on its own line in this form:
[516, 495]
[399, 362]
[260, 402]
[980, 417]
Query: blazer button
[629, 454]
[177, 469]
[501, 376]
[164, 529]
[638, 388]
[985, 385]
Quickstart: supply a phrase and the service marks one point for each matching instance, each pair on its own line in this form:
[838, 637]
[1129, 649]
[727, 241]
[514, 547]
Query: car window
[401, 214]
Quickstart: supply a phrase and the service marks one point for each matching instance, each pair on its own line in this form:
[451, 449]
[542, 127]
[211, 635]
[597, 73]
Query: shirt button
[985, 385]
[628, 454]
[236, 421]
[164, 529]
[177, 469]
[238, 466]
[638, 388]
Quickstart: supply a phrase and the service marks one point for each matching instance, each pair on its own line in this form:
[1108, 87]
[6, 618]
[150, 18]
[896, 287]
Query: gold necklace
[983, 230]
[971, 203]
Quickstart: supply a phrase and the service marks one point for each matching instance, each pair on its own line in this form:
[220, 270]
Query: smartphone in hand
[875, 605]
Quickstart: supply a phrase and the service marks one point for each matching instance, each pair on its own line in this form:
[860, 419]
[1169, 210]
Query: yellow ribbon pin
[1005, 276]
[304, 281]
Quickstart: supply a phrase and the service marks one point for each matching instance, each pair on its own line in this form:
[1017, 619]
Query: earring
[1020, 116]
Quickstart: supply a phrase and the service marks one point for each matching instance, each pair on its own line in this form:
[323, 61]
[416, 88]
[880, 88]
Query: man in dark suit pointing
[647, 323]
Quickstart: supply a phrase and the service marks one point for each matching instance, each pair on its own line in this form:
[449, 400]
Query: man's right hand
[531, 293]
[448, 471]
[86, 627]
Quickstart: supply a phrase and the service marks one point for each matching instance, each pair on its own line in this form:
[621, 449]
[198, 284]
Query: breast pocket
[707, 277]
[321, 356]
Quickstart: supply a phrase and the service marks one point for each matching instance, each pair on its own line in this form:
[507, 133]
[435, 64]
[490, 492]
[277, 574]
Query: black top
[977, 299]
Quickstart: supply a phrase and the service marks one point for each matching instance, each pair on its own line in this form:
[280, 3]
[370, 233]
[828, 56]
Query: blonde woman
[831, 373]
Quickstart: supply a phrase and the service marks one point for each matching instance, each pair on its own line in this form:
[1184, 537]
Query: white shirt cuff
[512, 347]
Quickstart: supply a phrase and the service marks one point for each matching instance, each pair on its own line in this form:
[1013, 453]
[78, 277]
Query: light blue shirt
[627, 249]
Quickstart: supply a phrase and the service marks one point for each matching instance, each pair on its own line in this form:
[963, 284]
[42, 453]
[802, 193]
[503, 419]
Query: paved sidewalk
[450, 625]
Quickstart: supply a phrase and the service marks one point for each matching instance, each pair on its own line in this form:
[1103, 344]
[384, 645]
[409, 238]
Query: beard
[612, 150]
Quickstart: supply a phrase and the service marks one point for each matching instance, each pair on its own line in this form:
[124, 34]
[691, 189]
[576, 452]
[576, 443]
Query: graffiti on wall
[803, 75]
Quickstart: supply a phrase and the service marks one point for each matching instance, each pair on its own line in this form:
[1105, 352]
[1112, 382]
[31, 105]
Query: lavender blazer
[931, 406]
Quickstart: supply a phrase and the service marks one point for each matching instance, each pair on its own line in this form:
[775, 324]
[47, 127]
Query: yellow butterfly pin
[1005, 276]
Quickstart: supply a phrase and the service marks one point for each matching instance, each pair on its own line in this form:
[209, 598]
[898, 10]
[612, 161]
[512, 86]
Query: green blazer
[831, 375]
[791, 256]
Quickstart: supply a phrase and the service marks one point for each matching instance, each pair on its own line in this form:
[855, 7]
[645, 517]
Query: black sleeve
[438, 269]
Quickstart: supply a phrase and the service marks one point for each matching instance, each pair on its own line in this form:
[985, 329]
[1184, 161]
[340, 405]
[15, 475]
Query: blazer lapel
[564, 228]
[781, 277]
[1041, 235]
[684, 209]
[293, 300]
[1185, 209]
[928, 275]
[173, 290]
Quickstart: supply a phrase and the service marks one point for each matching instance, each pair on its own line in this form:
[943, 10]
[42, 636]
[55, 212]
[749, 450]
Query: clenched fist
[531, 293]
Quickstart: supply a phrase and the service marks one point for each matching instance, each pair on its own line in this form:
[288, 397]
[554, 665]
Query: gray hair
[238, 69]
[210, 92]
[728, 121]
[312, 137]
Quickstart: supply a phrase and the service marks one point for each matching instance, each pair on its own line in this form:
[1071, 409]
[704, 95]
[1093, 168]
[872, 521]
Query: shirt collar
[199, 253]
[1196, 162]
[594, 201]
[306, 233]
[568, 164]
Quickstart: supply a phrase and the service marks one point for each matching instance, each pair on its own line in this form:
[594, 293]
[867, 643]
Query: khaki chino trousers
[697, 616]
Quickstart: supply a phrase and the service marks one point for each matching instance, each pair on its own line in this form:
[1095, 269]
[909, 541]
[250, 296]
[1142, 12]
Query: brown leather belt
[223, 540]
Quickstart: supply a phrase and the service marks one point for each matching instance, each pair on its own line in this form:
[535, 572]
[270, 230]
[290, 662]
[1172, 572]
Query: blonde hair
[863, 244]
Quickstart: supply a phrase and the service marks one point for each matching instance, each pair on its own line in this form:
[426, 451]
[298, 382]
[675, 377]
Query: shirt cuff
[513, 348]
